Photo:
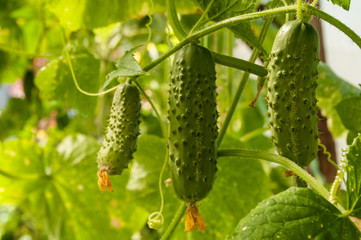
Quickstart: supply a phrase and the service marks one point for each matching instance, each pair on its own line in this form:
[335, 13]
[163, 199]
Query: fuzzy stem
[174, 21]
[200, 20]
[172, 226]
[266, 156]
[299, 11]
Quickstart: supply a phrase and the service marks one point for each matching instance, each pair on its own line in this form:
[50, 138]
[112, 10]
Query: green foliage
[330, 91]
[49, 141]
[97, 13]
[55, 82]
[297, 213]
[353, 182]
[127, 67]
[345, 4]
[349, 111]
[13, 117]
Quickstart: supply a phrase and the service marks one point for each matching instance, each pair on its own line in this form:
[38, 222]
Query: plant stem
[335, 22]
[242, 84]
[250, 16]
[299, 11]
[266, 156]
[240, 64]
[230, 70]
[225, 23]
[174, 21]
[314, 3]
[153, 107]
[200, 20]
[172, 226]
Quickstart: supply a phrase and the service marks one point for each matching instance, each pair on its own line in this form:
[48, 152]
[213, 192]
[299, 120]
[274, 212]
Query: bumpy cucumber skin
[120, 141]
[291, 92]
[192, 123]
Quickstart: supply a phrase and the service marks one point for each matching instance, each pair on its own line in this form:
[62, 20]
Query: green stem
[239, 64]
[230, 70]
[299, 11]
[225, 23]
[181, 210]
[335, 22]
[253, 134]
[174, 21]
[246, 17]
[242, 84]
[314, 3]
[153, 107]
[266, 156]
[200, 20]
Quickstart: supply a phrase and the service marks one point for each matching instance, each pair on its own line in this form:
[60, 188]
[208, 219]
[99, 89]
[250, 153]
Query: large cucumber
[291, 94]
[192, 123]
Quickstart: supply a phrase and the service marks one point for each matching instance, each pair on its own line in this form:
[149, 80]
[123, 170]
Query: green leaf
[99, 13]
[62, 178]
[349, 111]
[353, 182]
[127, 67]
[345, 4]
[55, 82]
[225, 9]
[330, 91]
[298, 214]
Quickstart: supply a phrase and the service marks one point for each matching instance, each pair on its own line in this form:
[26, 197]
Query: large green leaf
[99, 13]
[298, 213]
[62, 179]
[55, 82]
[353, 182]
[349, 111]
[330, 91]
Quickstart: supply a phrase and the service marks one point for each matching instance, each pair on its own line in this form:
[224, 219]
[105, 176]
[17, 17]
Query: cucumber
[120, 141]
[192, 123]
[291, 94]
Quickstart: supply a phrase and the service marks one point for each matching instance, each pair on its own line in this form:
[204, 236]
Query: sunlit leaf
[298, 213]
[56, 82]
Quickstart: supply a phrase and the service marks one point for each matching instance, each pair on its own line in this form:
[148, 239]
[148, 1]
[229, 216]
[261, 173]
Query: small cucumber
[120, 141]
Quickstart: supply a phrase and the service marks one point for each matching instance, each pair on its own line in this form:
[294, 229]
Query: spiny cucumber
[291, 93]
[192, 123]
[120, 141]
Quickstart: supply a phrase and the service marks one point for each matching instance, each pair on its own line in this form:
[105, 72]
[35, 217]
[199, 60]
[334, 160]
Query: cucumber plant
[184, 151]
